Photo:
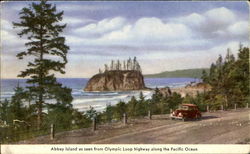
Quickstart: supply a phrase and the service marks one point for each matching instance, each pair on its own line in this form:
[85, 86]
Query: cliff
[116, 80]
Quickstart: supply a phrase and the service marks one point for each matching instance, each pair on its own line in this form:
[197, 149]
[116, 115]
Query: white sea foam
[82, 104]
[99, 93]
[103, 99]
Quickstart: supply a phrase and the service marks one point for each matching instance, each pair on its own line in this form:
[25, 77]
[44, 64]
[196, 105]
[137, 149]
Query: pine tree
[204, 76]
[120, 109]
[241, 74]
[129, 64]
[138, 67]
[91, 113]
[124, 65]
[100, 71]
[118, 65]
[156, 97]
[5, 111]
[134, 64]
[141, 108]
[106, 67]
[131, 106]
[39, 23]
[112, 67]
[109, 113]
[229, 80]
[16, 105]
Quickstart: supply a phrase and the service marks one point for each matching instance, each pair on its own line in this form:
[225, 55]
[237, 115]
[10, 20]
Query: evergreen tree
[17, 108]
[240, 74]
[91, 113]
[129, 64]
[229, 80]
[138, 67]
[141, 106]
[204, 76]
[131, 107]
[109, 113]
[118, 65]
[5, 111]
[163, 105]
[100, 71]
[112, 67]
[124, 65]
[174, 100]
[156, 98]
[134, 64]
[120, 109]
[106, 68]
[40, 23]
[61, 115]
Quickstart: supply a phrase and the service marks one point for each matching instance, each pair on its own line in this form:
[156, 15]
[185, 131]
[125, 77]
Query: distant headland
[119, 76]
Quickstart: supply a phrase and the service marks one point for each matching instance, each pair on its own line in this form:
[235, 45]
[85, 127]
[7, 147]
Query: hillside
[188, 73]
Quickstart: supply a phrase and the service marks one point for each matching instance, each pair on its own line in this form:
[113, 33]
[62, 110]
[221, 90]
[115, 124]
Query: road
[220, 127]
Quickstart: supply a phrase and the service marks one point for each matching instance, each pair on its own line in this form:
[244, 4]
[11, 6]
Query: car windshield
[184, 107]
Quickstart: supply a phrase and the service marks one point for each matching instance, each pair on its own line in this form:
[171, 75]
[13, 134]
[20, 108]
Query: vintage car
[185, 112]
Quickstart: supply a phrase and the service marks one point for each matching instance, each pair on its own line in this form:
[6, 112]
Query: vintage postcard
[124, 77]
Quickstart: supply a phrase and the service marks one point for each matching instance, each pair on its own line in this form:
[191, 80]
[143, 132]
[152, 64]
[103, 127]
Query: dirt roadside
[221, 127]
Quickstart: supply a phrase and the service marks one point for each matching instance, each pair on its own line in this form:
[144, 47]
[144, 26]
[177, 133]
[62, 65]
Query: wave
[101, 103]
[100, 93]
[86, 100]
[7, 93]
[77, 92]
[85, 108]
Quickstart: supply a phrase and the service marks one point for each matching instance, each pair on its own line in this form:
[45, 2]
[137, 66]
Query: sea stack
[120, 80]
[119, 76]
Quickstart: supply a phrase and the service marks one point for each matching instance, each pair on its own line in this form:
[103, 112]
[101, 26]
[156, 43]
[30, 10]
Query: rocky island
[119, 76]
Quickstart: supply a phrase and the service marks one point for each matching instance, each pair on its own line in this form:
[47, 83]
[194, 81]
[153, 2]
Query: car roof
[189, 105]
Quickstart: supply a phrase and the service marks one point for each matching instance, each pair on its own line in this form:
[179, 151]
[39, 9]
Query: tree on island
[129, 64]
[40, 24]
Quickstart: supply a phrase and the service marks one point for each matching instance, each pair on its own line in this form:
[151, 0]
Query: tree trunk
[39, 114]
[41, 78]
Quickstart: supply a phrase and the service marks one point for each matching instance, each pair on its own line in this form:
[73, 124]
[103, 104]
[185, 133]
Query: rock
[203, 86]
[192, 89]
[165, 91]
[117, 80]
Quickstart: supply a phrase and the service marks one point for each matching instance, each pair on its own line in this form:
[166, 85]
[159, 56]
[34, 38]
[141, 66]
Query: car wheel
[198, 117]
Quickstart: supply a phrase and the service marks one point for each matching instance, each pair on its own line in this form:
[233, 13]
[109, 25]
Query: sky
[164, 36]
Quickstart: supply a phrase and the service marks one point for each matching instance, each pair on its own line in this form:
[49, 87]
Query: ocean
[99, 100]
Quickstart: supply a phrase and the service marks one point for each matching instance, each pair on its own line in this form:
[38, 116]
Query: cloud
[240, 28]
[11, 42]
[74, 21]
[101, 27]
[193, 32]
[220, 17]
[76, 7]
[156, 29]
[117, 31]
[16, 6]
[218, 24]
[6, 25]
[193, 20]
